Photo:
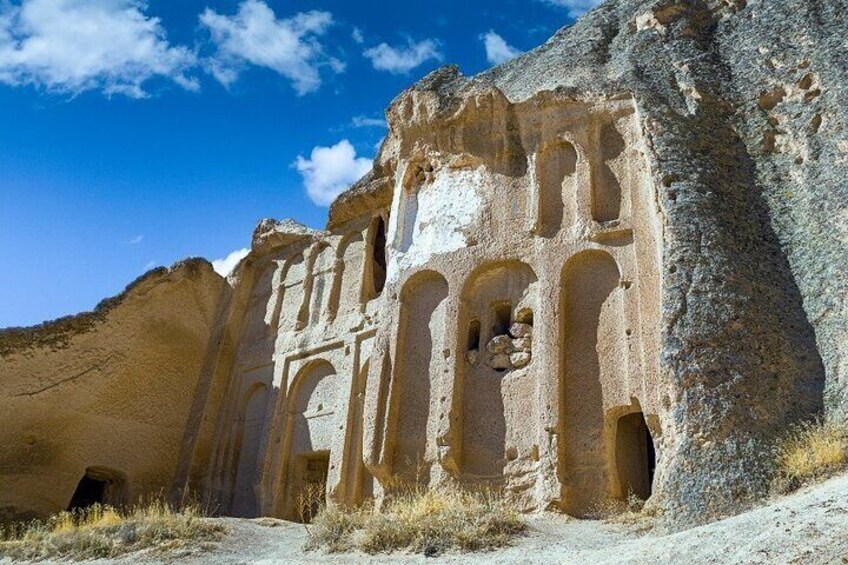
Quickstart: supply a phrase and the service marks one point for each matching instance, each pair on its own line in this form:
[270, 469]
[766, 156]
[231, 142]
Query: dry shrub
[310, 500]
[103, 531]
[428, 521]
[630, 512]
[809, 453]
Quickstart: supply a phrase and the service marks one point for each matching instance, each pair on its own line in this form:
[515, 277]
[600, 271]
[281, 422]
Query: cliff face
[613, 264]
[104, 395]
[740, 106]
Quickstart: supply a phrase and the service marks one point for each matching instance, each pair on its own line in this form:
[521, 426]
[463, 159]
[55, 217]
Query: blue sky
[133, 134]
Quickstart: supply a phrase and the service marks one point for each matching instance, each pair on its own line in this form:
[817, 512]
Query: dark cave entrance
[635, 456]
[98, 486]
[378, 260]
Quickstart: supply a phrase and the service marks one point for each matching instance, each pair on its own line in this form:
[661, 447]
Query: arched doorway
[376, 270]
[99, 485]
[312, 426]
[497, 373]
[420, 368]
[593, 353]
[635, 456]
[246, 462]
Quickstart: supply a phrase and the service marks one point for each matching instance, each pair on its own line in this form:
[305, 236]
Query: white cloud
[226, 265]
[402, 59]
[576, 8]
[149, 265]
[366, 122]
[71, 46]
[497, 49]
[357, 36]
[136, 240]
[255, 36]
[331, 170]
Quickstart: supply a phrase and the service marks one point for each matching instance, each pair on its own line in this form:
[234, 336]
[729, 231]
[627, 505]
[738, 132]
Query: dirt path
[808, 527]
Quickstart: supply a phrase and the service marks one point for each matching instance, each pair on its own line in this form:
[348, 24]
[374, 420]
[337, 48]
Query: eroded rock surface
[614, 264]
[105, 395]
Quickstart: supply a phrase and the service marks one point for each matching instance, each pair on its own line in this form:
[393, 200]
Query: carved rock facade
[572, 277]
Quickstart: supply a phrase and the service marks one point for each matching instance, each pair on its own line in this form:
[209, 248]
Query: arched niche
[417, 175]
[420, 367]
[359, 484]
[496, 374]
[246, 470]
[635, 459]
[348, 287]
[322, 284]
[289, 304]
[258, 318]
[375, 273]
[593, 353]
[314, 401]
[556, 166]
[607, 186]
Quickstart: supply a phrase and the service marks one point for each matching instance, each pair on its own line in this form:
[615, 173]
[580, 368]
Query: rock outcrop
[612, 265]
[104, 395]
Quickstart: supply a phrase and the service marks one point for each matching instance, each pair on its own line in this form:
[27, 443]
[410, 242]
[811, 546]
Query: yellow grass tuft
[428, 521]
[103, 532]
[809, 453]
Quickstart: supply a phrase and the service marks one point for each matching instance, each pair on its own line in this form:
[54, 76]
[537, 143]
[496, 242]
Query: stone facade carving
[571, 277]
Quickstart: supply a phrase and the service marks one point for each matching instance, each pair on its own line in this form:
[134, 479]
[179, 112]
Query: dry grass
[809, 453]
[309, 501]
[102, 531]
[428, 521]
[631, 512]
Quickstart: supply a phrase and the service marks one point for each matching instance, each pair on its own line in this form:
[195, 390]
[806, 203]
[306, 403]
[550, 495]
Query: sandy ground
[809, 527]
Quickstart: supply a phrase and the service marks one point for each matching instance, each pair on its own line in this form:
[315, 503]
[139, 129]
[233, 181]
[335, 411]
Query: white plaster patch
[436, 219]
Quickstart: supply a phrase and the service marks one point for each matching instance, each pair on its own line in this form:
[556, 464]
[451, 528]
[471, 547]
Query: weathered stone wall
[612, 264]
[282, 407]
[753, 215]
[508, 221]
[107, 392]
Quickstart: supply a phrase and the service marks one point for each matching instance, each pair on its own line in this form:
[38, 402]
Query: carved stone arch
[418, 173]
[322, 264]
[245, 466]
[100, 485]
[607, 190]
[348, 276]
[377, 260]
[593, 356]
[419, 372]
[313, 402]
[631, 451]
[291, 291]
[496, 316]
[357, 481]
[556, 201]
[257, 322]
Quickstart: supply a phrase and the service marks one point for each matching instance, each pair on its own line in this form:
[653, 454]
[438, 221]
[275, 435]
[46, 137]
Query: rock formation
[614, 264]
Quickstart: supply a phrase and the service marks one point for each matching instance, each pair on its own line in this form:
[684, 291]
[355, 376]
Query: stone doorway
[311, 472]
[635, 456]
[98, 486]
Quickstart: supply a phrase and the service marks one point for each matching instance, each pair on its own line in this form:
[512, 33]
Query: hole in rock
[474, 335]
[98, 486]
[379, 257]
[501, 318]
[635, 456]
